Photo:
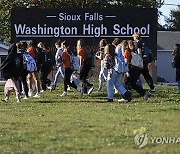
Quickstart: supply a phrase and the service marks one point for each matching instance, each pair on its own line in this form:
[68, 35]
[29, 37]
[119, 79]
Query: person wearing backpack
[85, 67]
[21, 49]
[46, 64]
[134, 72]
[144, 71]
[34, 75]
[176, 63]
[66, 59]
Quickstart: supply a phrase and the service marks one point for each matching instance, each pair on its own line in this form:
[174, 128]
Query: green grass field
[89, 124]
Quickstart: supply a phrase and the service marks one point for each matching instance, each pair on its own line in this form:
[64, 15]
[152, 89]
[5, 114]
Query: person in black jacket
[45, 61]
[21, 49]
[11, 68]
[176, 63]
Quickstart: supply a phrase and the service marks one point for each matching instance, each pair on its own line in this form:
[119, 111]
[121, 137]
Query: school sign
[48, 25]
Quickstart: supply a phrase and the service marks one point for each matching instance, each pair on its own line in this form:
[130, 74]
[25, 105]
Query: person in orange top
[126, 52]
[84, 68]
[34, 75]
[66, 59]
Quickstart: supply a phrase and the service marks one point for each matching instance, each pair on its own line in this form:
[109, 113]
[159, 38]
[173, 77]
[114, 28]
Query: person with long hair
[11, 68]
[66, 59]
[134, 73]
[100, 55]
[113, 77]
[84, 67]
[33, 75]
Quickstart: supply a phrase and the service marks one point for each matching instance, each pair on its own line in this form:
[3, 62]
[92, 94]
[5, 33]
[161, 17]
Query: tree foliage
[173, 23]
[7, 5]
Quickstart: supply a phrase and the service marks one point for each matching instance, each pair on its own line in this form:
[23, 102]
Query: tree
[173, 23]
[7, 5]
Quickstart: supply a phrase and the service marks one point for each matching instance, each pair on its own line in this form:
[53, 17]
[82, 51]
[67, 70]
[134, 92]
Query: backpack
[136, 60]
[29, 63]
[120, 65]
[74, 62]
[90, 58]
[147, 54]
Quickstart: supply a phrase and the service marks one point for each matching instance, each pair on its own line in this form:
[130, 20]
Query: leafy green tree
[173, 23]
[7, 5]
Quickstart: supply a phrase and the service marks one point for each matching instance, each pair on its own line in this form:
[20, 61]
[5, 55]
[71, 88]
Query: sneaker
[52, 87]
[79, 89]
[90, 89]
[25, 97]
[64, 94]
[146, 95]
[42, 91]
[152, 90]
[5, 100]
[69, 88]
[30, 93]
[38, 95]
[18, 101]
[127, 96]
[116, 91]
[109, 100]
[122, 100]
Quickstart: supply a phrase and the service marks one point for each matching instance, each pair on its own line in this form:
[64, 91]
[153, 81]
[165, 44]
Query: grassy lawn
[88, 124]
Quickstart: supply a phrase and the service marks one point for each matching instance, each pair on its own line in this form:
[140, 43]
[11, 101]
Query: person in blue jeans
[59, 64]
[113, 77]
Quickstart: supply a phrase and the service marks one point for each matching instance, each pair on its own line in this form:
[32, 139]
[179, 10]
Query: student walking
[35, 74]
[46, 63]
[84, 67]
[176, 63]
[100, 55]
[134, 73]
[66, 59]
[113, 77]
[11, 68]
[145, 70]
[59, 64]
[21, 49]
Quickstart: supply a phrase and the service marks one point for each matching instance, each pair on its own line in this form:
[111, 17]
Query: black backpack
[147, 54]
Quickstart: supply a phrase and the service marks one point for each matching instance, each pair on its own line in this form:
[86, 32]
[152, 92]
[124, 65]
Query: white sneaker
[68, 89]
[25, 97]
[42, 91]
[90, 90]
[5, 100]
[30, 93]
[146, 95]
[122, 100]
[64, 94]
[18, 101]
[38, 95]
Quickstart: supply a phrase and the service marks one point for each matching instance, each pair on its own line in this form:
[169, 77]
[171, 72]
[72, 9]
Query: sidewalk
[2, 82]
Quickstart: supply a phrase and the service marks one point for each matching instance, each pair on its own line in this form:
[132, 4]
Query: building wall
[164, 67]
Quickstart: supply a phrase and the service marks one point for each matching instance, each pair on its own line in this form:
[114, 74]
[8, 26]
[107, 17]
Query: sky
[165, 9]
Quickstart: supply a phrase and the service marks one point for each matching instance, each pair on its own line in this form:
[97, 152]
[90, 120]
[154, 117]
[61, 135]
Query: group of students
[21, 78]
[17, 75]
[127, 78]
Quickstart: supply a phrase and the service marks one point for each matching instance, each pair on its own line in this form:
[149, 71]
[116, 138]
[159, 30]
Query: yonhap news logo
[141, 140]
